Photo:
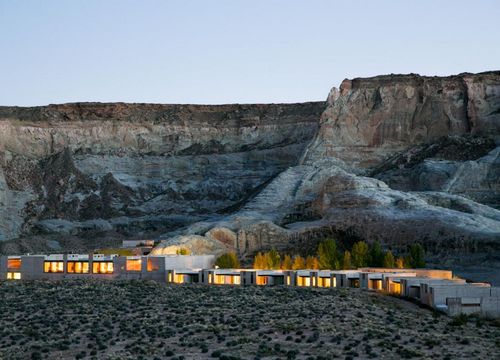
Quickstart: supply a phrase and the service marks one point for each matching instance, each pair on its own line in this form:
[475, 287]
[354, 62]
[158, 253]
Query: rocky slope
[398, 158]
[140, 169]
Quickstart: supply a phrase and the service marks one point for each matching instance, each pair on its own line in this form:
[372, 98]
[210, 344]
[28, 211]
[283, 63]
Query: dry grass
[142, 320]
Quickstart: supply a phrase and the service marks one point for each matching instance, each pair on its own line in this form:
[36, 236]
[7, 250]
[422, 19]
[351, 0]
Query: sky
[234, 51]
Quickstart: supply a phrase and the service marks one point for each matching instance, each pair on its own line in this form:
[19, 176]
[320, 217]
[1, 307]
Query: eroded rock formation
[398, 158]
[140, 169]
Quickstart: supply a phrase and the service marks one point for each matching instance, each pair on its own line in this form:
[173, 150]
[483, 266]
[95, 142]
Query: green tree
[389, 260]
[228, 261]
[273, 259]
[376, 255]
[287, 263]
[312, 263]
[327, 255]
[360, 254]
[346, 261]
[298, 263]
[416, 256]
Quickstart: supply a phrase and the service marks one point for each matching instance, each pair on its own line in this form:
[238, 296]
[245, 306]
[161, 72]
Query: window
[78, 267]
[133, 265]
[53, 266]
[303, 281]
[14, 264]
[179, 279]
[102, 267]
[152, 265]
[261, 280]
[13, 276]
[324, 282]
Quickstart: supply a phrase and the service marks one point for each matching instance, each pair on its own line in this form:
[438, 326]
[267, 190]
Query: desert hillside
[394, 158]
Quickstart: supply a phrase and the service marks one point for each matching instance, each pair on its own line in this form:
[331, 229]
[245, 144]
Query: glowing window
[303, 281]
[13, 276]
[14, 264]
[261, 280]
[78, 267]
[324, 282]
[152, 265]
[179, 278]
[133, 265]
[102, 267]
[53, 266]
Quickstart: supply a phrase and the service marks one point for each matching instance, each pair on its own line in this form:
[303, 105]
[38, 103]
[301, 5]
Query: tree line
[328, 256]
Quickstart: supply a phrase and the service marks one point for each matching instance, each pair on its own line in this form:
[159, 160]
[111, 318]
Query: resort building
[347, 278]
[435, 288]
[61, 266]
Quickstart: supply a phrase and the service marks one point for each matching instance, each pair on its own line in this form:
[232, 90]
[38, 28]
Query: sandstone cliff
[398, 158]
[140, 169]
[433, 143]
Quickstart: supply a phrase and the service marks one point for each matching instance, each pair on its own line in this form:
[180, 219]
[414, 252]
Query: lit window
[324, 282]
[152, 265]
[179, 278]
[102, 267]
[78, 267]
[133, 265]
[13, 276]
[261, 280]
[53, 266]
[14, 264]
[303, 281]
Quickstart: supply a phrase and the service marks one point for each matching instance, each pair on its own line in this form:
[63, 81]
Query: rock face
[400, 159]
[369, 120]
[397, 158]
[140, 169]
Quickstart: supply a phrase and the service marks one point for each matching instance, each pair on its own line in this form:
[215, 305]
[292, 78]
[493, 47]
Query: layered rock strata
[140, 169]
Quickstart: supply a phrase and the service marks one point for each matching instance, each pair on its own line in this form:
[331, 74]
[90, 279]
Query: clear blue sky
[231, 51]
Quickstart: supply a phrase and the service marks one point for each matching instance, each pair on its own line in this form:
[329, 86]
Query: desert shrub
[183, 251]
[459, 320]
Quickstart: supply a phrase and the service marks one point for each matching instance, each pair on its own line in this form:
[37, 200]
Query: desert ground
[146, 320]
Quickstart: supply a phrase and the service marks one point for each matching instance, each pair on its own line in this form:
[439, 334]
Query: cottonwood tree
[312, 263]
[376, 255]
[298, 263]
[287, 263]
[360, 254]
[416, 256]
[327, 255]
[273, 259]
[389, 260]
[228, 261]
[346, 261]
